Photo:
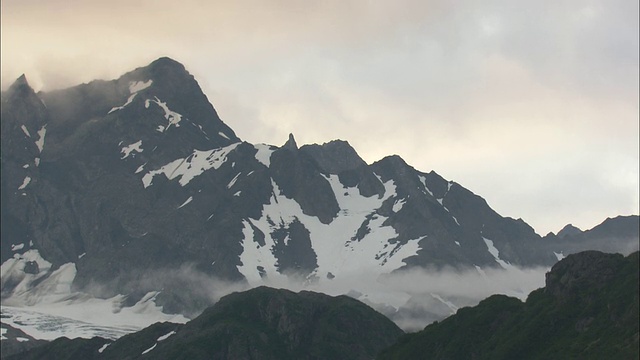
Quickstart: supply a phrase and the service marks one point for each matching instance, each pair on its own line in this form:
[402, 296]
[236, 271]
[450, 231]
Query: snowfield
[43, 305]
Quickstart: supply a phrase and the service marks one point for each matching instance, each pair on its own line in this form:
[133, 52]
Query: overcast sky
[532, 105]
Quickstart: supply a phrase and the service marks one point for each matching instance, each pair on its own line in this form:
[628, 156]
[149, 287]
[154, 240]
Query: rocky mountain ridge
[124, 184]
[587, 310]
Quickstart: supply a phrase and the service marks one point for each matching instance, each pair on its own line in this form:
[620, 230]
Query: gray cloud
[529, 103]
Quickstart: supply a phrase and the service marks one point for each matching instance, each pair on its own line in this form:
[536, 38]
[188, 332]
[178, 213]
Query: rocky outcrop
[262, 323]
[614, 235]
[568, 230]
[15, 341]
[587, 310]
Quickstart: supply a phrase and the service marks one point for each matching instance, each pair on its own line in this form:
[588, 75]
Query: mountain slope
[588, 310]
[262, 323]
[15, 341]
[136, 187]
[614, 235]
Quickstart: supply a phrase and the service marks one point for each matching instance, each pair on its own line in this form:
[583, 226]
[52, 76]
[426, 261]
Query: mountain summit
[135, 186]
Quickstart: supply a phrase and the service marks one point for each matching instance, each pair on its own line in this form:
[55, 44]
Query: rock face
[15, 341]
[589, 269]
[568, 230]
[614, 235]
[588, 310]
[134, 179]
[262, 323]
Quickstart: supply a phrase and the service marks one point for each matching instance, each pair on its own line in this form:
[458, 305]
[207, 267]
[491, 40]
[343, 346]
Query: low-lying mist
[412, 298]
[417, 297]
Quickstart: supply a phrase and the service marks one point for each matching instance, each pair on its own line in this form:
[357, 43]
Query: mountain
[614, 235]
[262, 323]
[134, 189]
[568, 230]
[587, 310]
[15, 341]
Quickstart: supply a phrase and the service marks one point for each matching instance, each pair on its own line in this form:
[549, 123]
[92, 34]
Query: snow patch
[233, 181]
[25, 130]
[263, 154]
[397, 206]
[103, 347]
[426, 188]
[173, 117]
[164, 337]
[41, 133]
[496, 254]
[186, 202]
[127, 150]
[255, 257]
[25, 182]
[223, 135]
[337, 250]
[149, 349]
[449, 304]
[17, 247]
[140, 168]
[50, 310]
[129, 101]
[559, 255]
[135, 86]
[194, 165]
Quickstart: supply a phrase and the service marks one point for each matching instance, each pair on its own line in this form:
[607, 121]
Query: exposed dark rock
[614, 235]
[261, 323]
[15, 341]
[299, 178]
[335, 156]
[568, 230]
[588, 310]
[339, 158]
[139, 176]
[589, 269]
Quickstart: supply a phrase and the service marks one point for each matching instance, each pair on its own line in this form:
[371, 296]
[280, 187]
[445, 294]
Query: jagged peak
[20, 89]
[291, 143]
[22, 79]
[334, 156]
[166, 62]
[162, 68]
[20, 83]
[568, 230]
[393, 160]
